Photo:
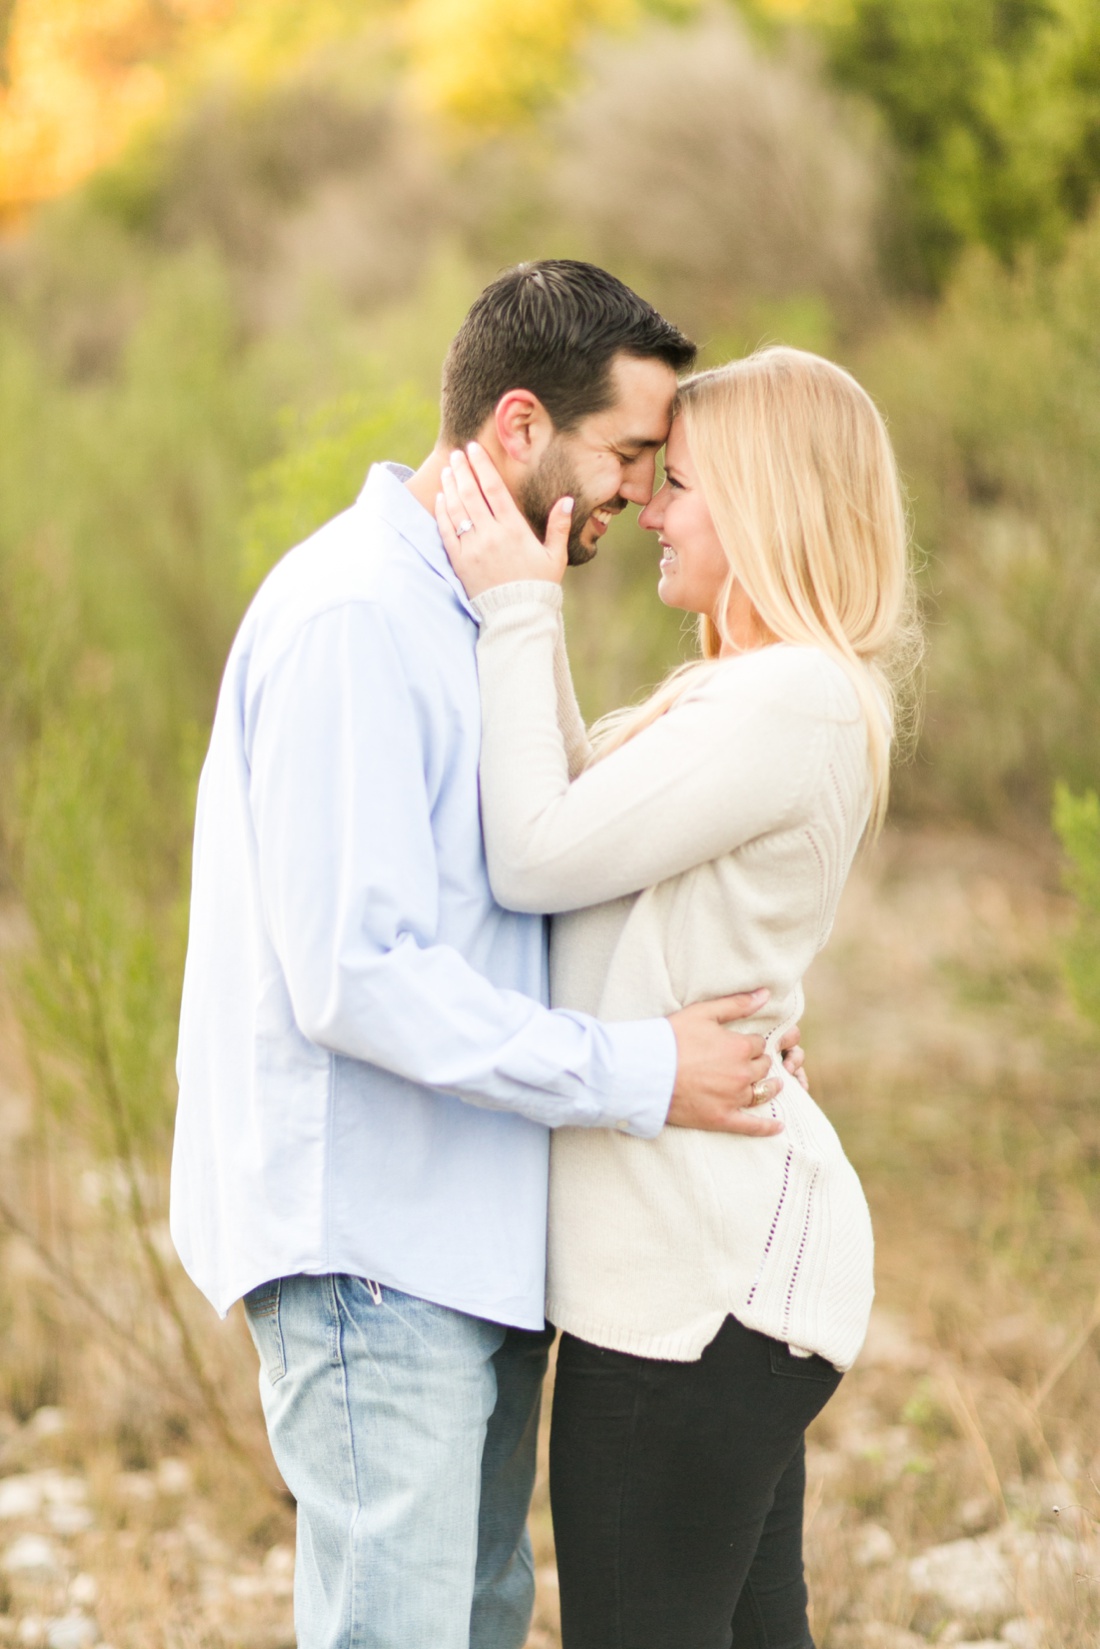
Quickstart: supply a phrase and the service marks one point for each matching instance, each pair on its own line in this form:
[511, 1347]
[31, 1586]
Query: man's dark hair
[552, 328]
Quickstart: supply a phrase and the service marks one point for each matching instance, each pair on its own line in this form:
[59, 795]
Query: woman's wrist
[538, 591]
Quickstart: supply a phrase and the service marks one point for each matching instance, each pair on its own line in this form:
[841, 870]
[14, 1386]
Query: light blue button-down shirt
[367, 1071]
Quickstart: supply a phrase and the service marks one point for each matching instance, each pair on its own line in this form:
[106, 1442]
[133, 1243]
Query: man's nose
[639, 479]
[637, 487]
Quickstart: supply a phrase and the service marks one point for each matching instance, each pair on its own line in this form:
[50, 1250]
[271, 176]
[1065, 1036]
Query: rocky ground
[84, 1553]
[953, 1495]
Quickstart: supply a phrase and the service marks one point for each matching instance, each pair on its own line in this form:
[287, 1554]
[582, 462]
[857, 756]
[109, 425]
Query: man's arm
[350, 888]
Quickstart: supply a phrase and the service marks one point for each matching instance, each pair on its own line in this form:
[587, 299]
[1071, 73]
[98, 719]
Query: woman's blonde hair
[802, 485]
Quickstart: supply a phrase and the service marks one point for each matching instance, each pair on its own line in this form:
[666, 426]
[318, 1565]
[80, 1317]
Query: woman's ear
[522, 426]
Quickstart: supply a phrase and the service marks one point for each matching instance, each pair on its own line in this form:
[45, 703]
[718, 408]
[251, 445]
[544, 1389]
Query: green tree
[994, 107]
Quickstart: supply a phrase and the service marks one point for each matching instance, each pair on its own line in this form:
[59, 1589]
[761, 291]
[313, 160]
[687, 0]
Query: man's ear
[522, 426]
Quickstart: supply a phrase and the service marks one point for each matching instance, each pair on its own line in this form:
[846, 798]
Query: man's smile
[604, 514]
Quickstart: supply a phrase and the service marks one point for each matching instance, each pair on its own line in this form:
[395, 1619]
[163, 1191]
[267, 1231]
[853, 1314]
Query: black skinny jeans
[677, 1492]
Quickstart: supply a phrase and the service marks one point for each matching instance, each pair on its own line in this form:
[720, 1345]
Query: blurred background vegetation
[235, 238]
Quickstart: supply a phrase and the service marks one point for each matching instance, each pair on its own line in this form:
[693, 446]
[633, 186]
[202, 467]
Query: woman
[711, 1289]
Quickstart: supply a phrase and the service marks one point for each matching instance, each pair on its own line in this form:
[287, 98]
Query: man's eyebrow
[642, 442]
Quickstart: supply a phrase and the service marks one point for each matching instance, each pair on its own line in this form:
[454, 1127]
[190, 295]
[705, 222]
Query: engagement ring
[463, 526]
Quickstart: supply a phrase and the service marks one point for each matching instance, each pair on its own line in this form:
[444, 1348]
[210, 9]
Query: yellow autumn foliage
[79, 79]
[487, 63]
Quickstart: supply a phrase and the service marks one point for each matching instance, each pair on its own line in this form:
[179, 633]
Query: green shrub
[1077, 823]
[994, 405]
[323, 462]
[994, 107]
[120, 500]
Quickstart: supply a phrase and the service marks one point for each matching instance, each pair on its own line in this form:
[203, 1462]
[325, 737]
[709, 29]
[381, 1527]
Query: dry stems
[940, 1041]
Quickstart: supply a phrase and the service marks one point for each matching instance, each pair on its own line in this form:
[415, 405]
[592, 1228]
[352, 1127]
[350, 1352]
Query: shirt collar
[386, 495]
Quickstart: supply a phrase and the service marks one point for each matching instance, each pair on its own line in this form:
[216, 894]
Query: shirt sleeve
[736, 757]
[349, 881]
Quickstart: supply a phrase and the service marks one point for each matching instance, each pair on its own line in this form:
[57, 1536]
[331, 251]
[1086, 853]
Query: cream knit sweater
[705, 856]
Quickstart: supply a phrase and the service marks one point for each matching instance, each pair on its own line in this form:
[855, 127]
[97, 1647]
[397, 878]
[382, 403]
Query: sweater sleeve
[737, 757]
[578, 750]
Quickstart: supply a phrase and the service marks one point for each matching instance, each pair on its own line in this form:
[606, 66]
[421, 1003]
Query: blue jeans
[406, 1433]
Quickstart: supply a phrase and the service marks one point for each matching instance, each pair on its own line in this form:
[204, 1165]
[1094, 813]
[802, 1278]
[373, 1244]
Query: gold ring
[761, 1090]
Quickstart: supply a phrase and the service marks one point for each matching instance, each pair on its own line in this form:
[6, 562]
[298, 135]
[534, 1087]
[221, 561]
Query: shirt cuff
[539, 590]
[644, 1052]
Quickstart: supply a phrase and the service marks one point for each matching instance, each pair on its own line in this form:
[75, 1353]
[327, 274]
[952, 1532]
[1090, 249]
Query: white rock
[873, 1545]
[279, 1571]
[174, 1476]
[72, 1631]
[31, 1554]
[206, 1546]
[212, 1584]
[84, 1590]
[47, 1422]
[1042, 1557]
[61, 1490]
[977, 1513]
[1023, 1634]
[971, 1578]
[247, 1586]
[279, 1560]
[877, 1634]
[137, 1485]
[20, 1496]
[70, 1520]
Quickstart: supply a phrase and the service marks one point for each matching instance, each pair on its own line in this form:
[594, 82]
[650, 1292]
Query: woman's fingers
[451, 541]
[488, 548]
[499, 499]
[557, 535]
[473, 499]
[452, 499]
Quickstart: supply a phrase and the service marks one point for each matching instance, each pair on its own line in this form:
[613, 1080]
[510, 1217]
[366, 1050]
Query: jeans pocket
[817, 1368]
[262, 1313]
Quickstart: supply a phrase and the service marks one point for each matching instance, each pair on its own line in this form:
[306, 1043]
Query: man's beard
[553, 479]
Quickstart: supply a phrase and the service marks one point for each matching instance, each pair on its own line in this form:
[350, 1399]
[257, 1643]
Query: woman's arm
[578, 750]
[736, 758]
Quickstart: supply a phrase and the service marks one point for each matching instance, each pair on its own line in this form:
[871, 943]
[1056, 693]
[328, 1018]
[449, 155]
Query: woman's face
[694, 566]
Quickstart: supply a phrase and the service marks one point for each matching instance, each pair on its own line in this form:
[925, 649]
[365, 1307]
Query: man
[367, 1071]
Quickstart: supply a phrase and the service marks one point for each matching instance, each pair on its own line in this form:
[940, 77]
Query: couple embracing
[392, 1088]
